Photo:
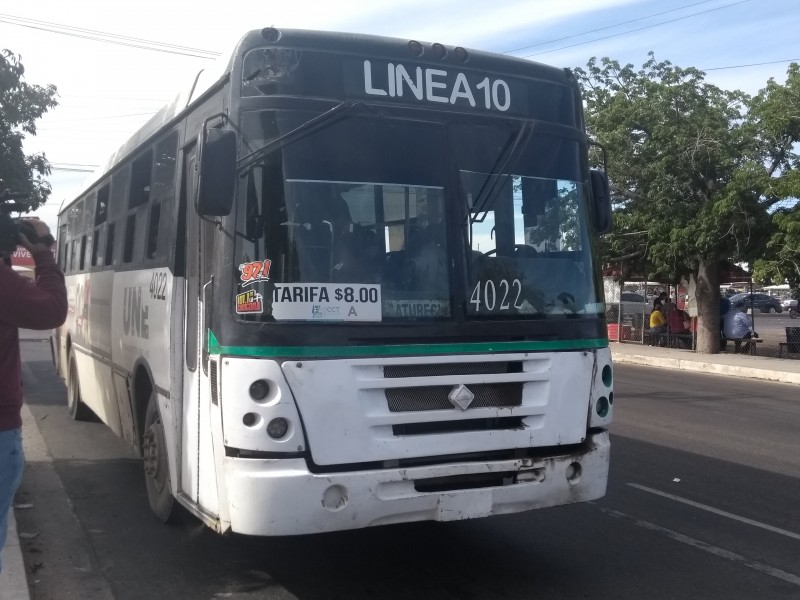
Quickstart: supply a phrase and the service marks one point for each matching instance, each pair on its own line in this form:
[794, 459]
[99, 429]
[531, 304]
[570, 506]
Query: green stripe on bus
[403, 350]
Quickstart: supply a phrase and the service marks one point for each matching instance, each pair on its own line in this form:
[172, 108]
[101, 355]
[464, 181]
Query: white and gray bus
[348, 281]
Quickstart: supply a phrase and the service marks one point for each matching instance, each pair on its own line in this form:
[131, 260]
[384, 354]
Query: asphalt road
[702, 503]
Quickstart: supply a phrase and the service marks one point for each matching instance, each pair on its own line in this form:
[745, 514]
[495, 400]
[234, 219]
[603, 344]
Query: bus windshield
[362, 221]
[526, 228]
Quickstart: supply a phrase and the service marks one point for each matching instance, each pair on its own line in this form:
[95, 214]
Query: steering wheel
[520, 251]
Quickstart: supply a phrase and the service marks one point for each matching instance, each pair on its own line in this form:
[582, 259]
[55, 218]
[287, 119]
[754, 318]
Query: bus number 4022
[158, 286]
[503, 296]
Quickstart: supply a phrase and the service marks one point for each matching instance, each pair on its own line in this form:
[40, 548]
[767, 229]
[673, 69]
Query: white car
[791, 306]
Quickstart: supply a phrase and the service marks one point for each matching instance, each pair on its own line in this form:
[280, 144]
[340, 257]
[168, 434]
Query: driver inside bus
[426, 252]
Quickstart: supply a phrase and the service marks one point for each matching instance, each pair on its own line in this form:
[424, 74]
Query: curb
[701, 366]
[13, 580]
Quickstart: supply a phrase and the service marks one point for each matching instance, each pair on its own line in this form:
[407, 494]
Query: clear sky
[108, 90]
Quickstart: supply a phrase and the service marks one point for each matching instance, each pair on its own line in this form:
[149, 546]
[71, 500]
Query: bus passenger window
[101, 208]
[152, 231]
[130, 229]
[109, 257]
[140, 179]
[96, 246]
[83, 253]
[72, 255]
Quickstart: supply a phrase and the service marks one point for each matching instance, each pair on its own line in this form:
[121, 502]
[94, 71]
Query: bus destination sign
[465, 89]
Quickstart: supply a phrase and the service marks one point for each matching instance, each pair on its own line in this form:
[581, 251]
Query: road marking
[715, 550]
[716, 511]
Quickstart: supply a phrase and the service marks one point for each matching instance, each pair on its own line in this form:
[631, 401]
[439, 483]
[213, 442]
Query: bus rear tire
[75, 406]
[156, 465]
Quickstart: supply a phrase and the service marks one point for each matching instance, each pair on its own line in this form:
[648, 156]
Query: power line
[59, 121]
[637, 29]
[110, 35]
[772, 62]
[109, 38]
[71, 169]
[569, 37]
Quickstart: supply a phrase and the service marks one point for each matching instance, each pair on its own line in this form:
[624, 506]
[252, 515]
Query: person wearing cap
[737, 326]
[39, 304]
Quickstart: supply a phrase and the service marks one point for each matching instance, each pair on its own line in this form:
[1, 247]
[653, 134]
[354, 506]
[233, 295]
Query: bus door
[198, 475]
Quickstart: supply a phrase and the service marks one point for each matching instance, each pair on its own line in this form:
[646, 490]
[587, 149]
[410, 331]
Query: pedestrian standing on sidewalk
[38, 304]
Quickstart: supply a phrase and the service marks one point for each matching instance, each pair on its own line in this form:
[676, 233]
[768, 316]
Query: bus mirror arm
[310, 126]
[206, 318]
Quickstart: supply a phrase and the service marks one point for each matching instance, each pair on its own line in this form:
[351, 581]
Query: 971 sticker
[253, 272]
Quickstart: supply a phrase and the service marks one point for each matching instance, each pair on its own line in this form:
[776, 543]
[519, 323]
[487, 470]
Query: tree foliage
[775, 116]
[686, 172]
[21, 104]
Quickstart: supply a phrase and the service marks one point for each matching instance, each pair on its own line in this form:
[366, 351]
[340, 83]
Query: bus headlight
[259, 390]
[277, 428]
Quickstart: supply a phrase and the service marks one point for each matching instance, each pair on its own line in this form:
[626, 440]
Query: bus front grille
[413, 399]
[422, 398]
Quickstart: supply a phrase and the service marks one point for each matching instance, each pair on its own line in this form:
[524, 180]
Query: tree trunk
[707, 293]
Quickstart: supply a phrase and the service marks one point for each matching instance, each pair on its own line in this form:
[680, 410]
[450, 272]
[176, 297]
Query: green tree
[775, 115]
[21, 104]
[687, 190]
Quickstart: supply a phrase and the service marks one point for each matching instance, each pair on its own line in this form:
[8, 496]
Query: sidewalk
[782, 370]
[13, 581]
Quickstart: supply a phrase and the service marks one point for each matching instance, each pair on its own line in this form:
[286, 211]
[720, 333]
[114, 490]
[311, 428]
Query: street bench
[737, 343]
[671, 340]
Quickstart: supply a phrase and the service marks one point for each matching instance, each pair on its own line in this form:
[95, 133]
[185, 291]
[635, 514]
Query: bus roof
[336, 42]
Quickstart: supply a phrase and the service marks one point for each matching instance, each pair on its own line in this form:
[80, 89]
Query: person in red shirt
[38, 304]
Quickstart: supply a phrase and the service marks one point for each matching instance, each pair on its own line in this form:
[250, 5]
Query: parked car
[634, 304]
[761, 302]
[634, 307]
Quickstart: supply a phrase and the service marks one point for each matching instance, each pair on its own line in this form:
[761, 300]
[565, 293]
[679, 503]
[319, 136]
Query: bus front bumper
[282, 497]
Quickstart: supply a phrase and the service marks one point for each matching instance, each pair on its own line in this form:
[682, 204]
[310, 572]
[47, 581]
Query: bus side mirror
[603, 219]
[217, 173]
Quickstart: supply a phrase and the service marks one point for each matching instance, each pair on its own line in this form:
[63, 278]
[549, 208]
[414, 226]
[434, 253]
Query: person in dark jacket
[37, 304]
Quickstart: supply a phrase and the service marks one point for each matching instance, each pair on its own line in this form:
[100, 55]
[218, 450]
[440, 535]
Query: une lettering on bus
[134, 315]
[432, 85]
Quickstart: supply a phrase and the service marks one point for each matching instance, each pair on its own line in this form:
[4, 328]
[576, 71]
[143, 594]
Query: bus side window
[109, 256]
[67, 246]
[130, 231]
[72, 255]
[152, 231]
[82, 265]
[162, 195]
[96, 245]
[138, 196]
[141, 174]
[101, 208]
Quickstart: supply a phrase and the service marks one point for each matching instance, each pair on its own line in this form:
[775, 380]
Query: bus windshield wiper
[310, 126]
[491, 187]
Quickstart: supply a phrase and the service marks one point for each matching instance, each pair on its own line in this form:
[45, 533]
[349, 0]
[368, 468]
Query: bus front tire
[75, 406]
[156, 465]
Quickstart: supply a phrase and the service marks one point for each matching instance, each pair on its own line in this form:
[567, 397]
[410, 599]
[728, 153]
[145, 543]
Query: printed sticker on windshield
[254, 272]
[326, 302]
[249, 303]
